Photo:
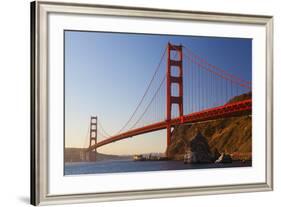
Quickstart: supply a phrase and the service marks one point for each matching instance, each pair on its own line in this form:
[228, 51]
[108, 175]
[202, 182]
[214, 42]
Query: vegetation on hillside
[230, 135]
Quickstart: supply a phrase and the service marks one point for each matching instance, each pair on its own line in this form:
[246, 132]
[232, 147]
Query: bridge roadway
[224, 111]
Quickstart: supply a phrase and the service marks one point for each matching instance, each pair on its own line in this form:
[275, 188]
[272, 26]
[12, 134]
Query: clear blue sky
[106, 74]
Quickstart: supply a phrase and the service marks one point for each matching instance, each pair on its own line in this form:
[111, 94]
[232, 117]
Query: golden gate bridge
[189, 90]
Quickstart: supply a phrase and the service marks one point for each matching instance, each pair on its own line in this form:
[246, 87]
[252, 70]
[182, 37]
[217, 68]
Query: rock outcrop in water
[224, 158]
[200, 150]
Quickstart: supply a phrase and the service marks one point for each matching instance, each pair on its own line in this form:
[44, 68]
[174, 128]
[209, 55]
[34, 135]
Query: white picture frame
[42, 145]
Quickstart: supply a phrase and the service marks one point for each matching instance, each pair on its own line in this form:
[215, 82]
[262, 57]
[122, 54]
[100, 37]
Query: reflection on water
[115, 166]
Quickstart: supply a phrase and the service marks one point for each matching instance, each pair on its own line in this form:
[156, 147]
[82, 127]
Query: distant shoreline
[76, 155]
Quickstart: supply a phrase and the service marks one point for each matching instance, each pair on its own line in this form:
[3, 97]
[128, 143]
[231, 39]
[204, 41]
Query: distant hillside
[231, 135]
[76, 155]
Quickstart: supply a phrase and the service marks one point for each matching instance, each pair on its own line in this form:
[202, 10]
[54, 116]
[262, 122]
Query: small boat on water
[138, 158]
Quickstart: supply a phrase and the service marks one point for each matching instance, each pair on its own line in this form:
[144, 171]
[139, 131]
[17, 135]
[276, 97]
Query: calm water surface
[115, 166]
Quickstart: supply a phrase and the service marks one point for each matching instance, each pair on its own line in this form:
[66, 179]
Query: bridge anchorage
[208, 90]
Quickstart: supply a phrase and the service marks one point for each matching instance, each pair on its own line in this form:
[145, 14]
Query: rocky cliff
[231, 135]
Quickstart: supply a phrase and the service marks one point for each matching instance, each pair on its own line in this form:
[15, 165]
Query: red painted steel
[224, 111]
[93, 137]
[194, 56]
[244, 85]
[171, 79]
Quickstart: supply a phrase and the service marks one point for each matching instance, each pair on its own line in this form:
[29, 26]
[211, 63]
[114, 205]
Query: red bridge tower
[93, 137]
[174, 66]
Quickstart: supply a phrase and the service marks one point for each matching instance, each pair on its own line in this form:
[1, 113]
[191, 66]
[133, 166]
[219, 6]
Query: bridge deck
[227, 110]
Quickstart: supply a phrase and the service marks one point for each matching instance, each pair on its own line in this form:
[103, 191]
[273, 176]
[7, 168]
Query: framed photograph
[133, 103]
